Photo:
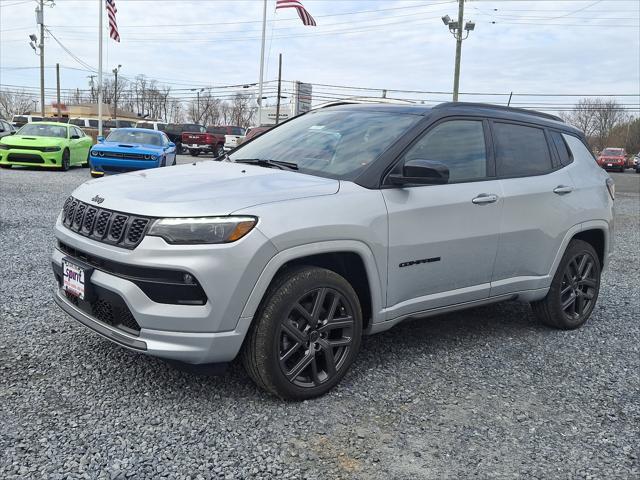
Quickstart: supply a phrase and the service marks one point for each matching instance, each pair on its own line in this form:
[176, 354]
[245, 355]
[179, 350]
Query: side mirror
[13, 132]
[171, 145]
[100, 139]
[74, 137]
[422, 172]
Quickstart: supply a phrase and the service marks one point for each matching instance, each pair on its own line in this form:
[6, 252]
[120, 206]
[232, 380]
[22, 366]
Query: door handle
[562, 189]
[484, 198]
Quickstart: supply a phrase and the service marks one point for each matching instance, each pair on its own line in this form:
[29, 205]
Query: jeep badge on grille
[98, 199]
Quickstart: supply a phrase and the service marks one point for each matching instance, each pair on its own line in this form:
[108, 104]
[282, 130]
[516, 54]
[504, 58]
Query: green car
[46, 144]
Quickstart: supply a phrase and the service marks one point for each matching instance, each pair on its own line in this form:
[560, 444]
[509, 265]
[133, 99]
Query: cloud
[403, 45]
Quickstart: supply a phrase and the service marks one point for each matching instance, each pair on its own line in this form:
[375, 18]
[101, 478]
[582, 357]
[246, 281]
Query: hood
[27, 140]
[201, 189]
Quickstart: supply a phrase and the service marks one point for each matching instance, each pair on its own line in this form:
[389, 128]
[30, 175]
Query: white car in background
[235, 138]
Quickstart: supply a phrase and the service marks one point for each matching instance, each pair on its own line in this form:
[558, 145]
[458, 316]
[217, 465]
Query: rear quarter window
[564, 154]
[520, 150]
[578, 149]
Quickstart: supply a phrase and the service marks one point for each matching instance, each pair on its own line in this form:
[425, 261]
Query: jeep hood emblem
[98, 199]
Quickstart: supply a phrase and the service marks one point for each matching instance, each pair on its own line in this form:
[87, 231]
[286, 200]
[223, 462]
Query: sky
[545, 47]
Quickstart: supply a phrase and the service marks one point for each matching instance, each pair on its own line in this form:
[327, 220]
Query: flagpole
[100, 69]
[264, 30]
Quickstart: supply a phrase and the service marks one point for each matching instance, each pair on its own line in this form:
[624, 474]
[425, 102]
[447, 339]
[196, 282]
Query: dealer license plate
[73, 279]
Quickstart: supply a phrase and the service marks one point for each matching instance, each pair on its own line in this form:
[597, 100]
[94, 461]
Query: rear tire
[66, 160]
[306, 335]
[574, 289]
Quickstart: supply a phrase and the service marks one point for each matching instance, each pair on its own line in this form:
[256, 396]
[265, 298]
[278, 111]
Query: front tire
[574, 289]
[66, 160]
[306, 335]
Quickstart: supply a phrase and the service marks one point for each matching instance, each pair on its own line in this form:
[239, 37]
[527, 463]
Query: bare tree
[583, 115]
[609, 114]
[14, 103]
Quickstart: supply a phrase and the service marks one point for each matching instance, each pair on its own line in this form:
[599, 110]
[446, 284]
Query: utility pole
[115, 92]
[279, 88]
[40, 21]
[456, 75]
[58, 89]
[455, 27]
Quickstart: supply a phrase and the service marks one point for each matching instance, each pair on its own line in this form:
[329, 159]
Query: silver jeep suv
[341, 222]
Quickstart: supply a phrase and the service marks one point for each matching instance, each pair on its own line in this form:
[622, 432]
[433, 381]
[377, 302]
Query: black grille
[125, 156]
[25, 157]
[104, 225]
[136, 229]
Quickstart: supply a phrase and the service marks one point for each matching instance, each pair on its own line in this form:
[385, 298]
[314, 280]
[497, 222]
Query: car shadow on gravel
[387, 350]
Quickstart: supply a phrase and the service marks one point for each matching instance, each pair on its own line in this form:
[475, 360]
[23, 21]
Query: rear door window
[93, 123]
[520, 150]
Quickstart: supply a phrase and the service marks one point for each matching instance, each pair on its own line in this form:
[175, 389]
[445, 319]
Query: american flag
[113, 25]
[306, 18]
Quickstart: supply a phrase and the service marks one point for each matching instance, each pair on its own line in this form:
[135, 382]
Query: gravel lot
[486, 393]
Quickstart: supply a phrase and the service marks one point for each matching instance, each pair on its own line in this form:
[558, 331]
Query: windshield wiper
[265, 162]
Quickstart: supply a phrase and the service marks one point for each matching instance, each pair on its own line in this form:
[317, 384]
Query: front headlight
[51, 149]
[205, 230]
[4, 147]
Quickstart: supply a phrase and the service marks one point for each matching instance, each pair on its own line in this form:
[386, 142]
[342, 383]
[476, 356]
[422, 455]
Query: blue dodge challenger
[128, 149]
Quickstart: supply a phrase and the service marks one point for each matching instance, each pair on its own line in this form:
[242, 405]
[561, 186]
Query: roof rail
[499, 107]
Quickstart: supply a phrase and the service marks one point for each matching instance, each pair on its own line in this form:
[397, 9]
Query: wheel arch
[596, 238]
[351, 259]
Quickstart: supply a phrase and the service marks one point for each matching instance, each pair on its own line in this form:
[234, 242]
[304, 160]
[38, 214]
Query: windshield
[43, 130]
[612, 152]
[193, 127]
[333, 143]
[133, 136]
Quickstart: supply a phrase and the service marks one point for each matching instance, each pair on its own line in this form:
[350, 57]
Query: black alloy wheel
[306, 334]
[66, 160]
[574, 290]
[315, 337]
[579, 286]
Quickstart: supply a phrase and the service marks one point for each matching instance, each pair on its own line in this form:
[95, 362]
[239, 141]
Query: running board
[382, 326]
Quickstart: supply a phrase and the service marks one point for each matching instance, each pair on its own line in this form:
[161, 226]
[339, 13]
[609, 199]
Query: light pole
[198, 101]
[115, 92]
[455, 27]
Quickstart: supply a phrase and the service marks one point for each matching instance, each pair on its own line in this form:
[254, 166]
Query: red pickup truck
[611, 158]
[209, 141]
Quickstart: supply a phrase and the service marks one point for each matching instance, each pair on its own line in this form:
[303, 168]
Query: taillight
[611, 186]
[209, 138]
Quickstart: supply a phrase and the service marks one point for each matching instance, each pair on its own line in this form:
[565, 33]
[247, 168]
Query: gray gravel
[487, 393]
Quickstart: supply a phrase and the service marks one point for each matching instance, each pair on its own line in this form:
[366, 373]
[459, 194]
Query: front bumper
[195, 334]
[198, 147]
[195, 348]
[35, 158]
[102, 165]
